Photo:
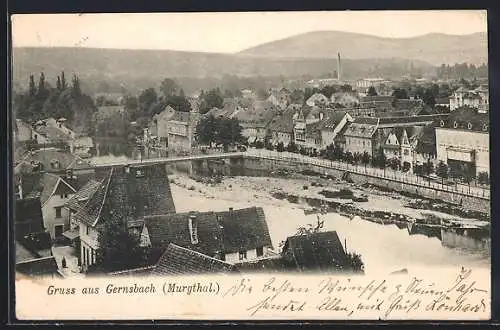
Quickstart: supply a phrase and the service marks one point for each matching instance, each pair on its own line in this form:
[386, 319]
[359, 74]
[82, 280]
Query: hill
[130, 66]
[434, 48]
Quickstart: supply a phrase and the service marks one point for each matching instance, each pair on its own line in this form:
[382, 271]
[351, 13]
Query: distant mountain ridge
[124, 65]
[435, 48]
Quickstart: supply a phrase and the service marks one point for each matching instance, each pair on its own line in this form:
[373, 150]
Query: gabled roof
[283, 123]
[363, 127]
[177, 260]
[53, 134]
[130, 193]
[47, 186]
[78, 200]
[22, 253]
[244, 229]
[174, 228]
[320, 250]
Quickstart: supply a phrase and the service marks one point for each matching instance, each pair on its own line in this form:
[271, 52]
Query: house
[361, 112]
[245, 234]
[55, 160]
[331, 127]
[369, 82]
[281, 128]
[159, 124]
[346, 99]
[81, 146]
[281, 98]
[317, 99]
[442, 102]
[181, 129]
[74, 204]
[381, 103]
[318, 251]
[476, 98]
[397, 145]
[197, 231]
[368, 134]
[411, 107]
[53, 191]
[463, 142]
[255, 121]
[247, 93]
[177, 260]
[232, 236]
[129, 193]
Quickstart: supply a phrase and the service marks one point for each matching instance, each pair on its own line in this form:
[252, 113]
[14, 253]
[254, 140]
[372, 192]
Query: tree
[58, 83]
[147, 99]
[346, 88]
[292, 147]
[229, 131]
[179, 103]
[428, 167]
[206, 130]
[211, 99]
[297, 96]
[372, 91]
[75, 87]
[32, 87]
[169, 87]
[442, 170]
[64, 85]
[365, 158]
[328, 91]
[400, 93]
[280, 147]
[119, 249]
[483, 178]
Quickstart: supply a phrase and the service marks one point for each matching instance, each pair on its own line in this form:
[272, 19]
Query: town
[109, 183]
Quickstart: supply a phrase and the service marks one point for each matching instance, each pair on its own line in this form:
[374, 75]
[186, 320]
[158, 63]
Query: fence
[387, 174]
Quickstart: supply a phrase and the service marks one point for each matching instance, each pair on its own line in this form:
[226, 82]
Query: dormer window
[469, 126]
[455, 124]
[441, 123]
[139, 174]
[485, 127]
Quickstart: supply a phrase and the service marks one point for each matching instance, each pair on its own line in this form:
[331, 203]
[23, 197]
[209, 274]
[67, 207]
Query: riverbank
[303, 192]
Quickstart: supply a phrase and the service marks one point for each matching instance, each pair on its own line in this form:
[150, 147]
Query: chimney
[339, 68]
[231, 211]
[193, 229]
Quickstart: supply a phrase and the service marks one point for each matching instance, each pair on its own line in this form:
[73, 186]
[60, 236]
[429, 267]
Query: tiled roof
[177, 260]
[362, 127]
[244, 229]
[315, 251]
[461, 118]
[38, 267]
[48, 158]
[174, 228]
[53, 134]
[313, 130]
[22, 253]
[340, 137]
[333, 120]
[405, 104]
[82, 195]
[132, 193]
[408, 120]
[283, 123]
[46, 187]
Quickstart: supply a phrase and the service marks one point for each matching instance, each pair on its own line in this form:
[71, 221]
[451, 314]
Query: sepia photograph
[287, 151]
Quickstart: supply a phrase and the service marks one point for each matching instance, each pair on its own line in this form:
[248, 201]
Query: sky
[228, 32]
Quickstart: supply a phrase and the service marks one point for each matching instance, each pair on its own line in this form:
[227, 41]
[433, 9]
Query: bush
[483, 178]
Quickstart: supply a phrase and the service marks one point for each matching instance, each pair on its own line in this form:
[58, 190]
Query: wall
[255, 166]
[49, 214]
[234, 257]
[478, 141]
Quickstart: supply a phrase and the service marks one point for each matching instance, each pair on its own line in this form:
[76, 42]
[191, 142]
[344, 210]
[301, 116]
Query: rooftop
[177, 260]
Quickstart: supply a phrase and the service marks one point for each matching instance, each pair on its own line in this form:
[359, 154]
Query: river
[382, 247]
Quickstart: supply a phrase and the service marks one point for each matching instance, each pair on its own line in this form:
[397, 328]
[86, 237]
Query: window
[64, 196]
[242, 255]
[86, 230]
[260, 251]
[406, 152]
[58, 212]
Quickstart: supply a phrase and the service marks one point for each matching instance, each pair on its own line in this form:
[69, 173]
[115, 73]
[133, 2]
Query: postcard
[325, 165]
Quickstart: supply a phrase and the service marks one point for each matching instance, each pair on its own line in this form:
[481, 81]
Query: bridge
[292, 158]
[168, 160]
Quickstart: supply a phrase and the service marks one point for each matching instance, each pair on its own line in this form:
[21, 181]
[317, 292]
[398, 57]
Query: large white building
[475, 98]
[462, 142]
